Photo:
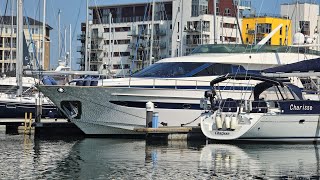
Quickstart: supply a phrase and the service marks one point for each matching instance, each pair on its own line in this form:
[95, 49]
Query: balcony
[244, 4]
[159, 44]
[161, 32]
[105, 19]
[96, 47]
[197, 41]
[133, 33]
[98, 35]
[140, 45]
[95, 60]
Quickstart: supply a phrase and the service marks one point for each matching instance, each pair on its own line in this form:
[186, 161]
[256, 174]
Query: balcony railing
[96, 47]
[105, 19]
[159, 44]
[197, 41]
[161, 32]
[244, 4]
[98, 35]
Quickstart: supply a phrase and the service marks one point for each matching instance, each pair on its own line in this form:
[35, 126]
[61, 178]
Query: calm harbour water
[23, 157]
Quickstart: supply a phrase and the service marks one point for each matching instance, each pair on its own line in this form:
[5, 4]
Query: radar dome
[298, 39]
[309, 40]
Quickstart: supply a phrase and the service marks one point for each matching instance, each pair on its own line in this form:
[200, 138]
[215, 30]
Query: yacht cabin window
[189, 69]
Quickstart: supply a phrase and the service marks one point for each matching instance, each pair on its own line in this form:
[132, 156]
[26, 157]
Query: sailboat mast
[65, 39]
[151, 33]
[59, 35]
[70, 45]
[109, 51]
[20, 46]
[43, 34]
[237, 17]
[11, 37]
[181, 29]
[215, 21]
[86, 40]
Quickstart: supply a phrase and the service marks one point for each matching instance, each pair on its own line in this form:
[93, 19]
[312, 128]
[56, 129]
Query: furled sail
[26, 55]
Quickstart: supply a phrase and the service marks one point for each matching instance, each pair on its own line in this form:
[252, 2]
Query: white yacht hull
[119, 110]
[285, 127]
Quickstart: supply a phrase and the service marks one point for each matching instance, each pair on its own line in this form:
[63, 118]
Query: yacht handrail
[177, 80]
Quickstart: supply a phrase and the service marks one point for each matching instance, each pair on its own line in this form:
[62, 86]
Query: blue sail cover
[26, 55]
[302, 66]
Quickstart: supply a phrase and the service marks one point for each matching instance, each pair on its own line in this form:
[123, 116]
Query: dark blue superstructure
[302, 66]
[18, 110]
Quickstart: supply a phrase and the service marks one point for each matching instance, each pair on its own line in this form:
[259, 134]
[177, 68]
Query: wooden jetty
[173, 133]
[47, 127]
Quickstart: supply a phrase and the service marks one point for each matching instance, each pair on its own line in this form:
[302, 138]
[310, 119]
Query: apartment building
[33, 35]
[255, 28]
[121, 36]
[304, 17]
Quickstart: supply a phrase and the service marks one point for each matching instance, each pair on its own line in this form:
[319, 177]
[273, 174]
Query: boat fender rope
[190, 121]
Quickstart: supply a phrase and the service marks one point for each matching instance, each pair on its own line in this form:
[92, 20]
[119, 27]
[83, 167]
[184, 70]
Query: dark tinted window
[215, 69]
[174, 69]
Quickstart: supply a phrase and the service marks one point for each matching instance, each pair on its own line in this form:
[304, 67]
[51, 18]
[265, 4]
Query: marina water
[23, 157]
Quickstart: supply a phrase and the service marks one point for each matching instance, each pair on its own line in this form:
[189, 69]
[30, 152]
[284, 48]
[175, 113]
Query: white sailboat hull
[268, 128]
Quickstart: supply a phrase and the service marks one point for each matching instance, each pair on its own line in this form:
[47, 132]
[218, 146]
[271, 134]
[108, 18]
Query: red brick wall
[222, 5]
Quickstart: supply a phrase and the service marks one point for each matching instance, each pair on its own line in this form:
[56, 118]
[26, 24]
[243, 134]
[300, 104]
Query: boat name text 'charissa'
[300, 107]
[221, 133]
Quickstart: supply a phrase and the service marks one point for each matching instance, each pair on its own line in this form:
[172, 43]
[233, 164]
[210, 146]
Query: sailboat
[18, 94]
[274, 111]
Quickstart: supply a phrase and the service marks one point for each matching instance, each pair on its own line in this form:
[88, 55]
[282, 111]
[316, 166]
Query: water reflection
[27, 158]
[262, 160]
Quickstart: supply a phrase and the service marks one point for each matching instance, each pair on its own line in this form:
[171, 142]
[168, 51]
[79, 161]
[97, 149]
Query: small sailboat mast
[43, 35]
[151, 33]
[19, 61]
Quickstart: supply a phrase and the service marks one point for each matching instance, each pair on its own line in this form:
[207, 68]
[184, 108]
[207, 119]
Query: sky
[74, 12]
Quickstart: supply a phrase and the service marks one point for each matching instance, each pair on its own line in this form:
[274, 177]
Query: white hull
[100, 116]
[267, 128]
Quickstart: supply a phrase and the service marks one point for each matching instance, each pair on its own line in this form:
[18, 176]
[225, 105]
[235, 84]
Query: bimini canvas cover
[302, 66]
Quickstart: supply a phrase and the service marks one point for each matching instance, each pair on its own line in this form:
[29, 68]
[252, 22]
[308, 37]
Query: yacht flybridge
[174, 85]
[275, 111]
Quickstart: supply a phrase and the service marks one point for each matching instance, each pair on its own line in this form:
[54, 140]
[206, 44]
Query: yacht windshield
[240, 48]
[167, 70]
[190, 69]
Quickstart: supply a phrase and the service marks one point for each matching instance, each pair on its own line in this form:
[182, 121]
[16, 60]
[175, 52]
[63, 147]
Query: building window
[263, 28]
[269, 42]
[217, 11]
[280, 42]
[280, 31]
[227, 11]
[178, 27]
[247, 40]
[305, 27]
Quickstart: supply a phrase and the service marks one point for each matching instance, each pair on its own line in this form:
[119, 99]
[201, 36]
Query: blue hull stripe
[161, 105]
[247, 88]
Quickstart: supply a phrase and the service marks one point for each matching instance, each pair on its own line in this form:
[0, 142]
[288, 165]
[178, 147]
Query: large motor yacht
[174, 85]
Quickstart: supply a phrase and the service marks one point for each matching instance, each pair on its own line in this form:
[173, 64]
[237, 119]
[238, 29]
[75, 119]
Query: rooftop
[265, 15]
[300, 2]
[128, 4]
[7, 21]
